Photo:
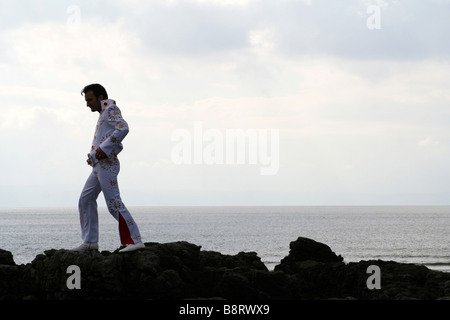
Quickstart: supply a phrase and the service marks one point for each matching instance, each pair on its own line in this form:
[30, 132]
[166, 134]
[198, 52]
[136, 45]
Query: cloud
[358, 110]
[49, 52]
[339, 29]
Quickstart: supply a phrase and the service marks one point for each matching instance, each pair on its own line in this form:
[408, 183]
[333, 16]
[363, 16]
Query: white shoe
[86, 246]
[133, 247]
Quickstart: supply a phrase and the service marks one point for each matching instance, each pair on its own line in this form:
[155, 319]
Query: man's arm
[113, 142]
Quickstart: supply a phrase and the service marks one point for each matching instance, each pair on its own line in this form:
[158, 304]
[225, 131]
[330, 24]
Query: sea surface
[404, 234]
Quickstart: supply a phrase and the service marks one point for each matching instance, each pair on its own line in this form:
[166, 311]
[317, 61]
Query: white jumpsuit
[111, 130]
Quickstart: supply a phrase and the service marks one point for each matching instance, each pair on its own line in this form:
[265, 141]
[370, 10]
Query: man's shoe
[86, 246]
[133, 247]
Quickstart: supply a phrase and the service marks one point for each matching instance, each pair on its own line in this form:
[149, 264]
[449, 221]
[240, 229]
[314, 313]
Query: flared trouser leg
[87, 207]
[104, 178]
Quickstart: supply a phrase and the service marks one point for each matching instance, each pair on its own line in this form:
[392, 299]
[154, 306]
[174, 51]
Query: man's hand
[99, 154]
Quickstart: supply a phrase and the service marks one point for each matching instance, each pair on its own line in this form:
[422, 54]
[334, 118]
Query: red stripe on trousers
[125, 236]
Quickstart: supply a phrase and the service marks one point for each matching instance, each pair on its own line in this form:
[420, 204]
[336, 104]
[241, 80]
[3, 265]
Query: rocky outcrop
[6, 258]
[182, 270]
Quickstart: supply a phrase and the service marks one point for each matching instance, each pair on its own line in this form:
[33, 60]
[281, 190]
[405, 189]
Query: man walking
[107, 144]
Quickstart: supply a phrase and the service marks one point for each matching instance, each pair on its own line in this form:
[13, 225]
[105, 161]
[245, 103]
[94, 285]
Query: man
[107, 144]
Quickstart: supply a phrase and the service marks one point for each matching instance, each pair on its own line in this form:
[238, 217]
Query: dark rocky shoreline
[181, 270]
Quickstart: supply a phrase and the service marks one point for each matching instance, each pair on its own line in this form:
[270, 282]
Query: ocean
[399, 233]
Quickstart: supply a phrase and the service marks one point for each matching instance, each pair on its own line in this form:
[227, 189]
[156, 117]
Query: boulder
[303, 250]
[6, 258]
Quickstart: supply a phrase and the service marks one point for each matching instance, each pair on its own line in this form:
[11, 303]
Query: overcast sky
[358, 90]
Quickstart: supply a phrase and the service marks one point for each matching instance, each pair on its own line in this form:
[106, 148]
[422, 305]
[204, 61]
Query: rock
[6, 258]
[181, 270]
[244, 260]
[303, 250]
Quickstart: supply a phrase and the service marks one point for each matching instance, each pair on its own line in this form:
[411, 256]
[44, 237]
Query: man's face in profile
[92, 101]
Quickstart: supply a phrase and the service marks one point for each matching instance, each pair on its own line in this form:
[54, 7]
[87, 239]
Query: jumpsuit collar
[107, 103]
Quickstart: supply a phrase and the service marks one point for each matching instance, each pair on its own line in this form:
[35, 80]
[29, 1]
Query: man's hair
[97, 89]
